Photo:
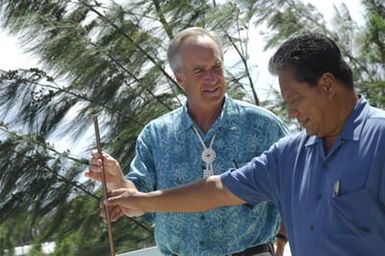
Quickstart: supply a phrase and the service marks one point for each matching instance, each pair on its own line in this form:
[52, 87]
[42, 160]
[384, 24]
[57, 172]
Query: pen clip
[337, 188]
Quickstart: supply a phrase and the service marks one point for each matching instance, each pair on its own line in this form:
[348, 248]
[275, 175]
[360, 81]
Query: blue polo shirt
[331, 204]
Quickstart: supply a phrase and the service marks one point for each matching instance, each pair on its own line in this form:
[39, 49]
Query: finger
[103, 211]
[96, 176]
[102, 214]
[115, 213]
[108, 163]
[106, 156]
[117, 192]
[95, 153]
[94, 161]
[115, 200]
[134, 213]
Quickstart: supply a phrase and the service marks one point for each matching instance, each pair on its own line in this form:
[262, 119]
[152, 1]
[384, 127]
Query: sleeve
[382, 187]
[258, 180]
[142, 169]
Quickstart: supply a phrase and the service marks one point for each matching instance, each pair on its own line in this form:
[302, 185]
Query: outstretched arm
[200, 196]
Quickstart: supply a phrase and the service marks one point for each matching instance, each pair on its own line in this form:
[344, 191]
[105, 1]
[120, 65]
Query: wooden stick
[104, 184]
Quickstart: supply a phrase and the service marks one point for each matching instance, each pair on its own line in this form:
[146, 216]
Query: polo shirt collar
[355, 123]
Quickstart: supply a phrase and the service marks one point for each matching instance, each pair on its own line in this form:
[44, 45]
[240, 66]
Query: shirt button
[201, 243]
[203, 217]
[324, 166]
[311, 227]
[319, 196]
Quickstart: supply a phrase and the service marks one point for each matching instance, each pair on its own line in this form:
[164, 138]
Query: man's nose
[211, 77]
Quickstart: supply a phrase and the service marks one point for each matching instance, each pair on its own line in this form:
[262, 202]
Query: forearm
[204, 195]
[281, 241]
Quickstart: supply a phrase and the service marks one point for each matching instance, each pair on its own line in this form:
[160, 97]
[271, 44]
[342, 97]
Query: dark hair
[309, 56]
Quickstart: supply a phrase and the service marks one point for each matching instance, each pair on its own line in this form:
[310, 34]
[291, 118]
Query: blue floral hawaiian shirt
[168, 154]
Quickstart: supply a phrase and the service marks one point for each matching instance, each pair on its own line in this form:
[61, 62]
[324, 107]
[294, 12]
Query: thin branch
[80, 96]
[61, 177]
[244, 61]
[144, 52]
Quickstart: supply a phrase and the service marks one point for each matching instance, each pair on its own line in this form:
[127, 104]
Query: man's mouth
[211, 90]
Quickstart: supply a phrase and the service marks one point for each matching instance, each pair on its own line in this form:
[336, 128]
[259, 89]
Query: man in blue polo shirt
[327, 181]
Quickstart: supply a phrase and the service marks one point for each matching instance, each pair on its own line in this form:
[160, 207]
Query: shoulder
[376, 114]
[248, 109]
[375, 120]
[374, 126]
[293, 143]
[165, 122]
[167, 118]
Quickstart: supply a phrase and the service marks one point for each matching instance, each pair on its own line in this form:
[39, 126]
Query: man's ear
[328, 83]
[179, 79]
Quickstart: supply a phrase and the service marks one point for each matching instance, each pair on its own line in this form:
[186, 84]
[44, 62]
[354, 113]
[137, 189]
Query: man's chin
[310, 132]
[217, 98]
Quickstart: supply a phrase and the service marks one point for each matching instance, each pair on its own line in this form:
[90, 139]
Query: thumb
[93, 175]
[116, 197]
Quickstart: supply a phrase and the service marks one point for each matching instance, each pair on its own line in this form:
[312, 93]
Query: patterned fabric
[168, 154]
[332, 203]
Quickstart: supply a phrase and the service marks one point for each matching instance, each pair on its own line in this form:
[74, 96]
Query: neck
[205, 117]
[347, 105]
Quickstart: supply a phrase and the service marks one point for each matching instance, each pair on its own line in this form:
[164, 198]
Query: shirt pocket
[354, 215]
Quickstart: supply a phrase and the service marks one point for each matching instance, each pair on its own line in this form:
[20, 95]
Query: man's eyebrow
[293, 97]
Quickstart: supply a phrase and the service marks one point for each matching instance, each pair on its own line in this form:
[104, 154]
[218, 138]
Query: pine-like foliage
[108, 59]
[104, 59]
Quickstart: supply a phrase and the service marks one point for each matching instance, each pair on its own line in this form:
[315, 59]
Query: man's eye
[218, 67]
[295, 101]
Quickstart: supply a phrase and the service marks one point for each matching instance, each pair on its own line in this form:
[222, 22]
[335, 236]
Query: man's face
[201, 73]
[311, 106]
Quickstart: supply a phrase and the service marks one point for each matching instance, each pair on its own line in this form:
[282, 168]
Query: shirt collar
[225, 119]
[355, 123]
[353, 126]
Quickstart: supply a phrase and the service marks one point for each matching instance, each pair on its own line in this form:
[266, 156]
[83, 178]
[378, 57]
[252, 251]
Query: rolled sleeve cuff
[236, 187]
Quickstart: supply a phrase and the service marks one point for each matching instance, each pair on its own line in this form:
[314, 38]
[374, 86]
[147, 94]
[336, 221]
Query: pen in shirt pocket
[337, 188]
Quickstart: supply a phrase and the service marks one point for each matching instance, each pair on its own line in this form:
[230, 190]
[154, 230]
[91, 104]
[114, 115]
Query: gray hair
[177, 41]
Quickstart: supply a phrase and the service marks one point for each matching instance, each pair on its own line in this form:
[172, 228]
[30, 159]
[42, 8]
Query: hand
[113, 174]
[279, 251]
[122, 202]
[281, 241]
[115, 212]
